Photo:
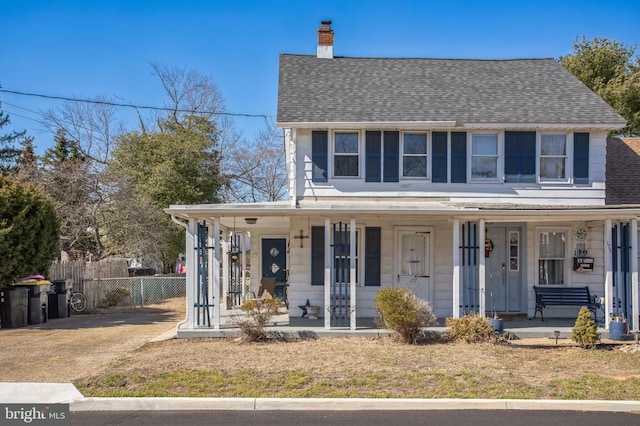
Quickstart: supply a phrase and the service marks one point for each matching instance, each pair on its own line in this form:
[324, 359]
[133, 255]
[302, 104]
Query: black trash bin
[14, 303]
[59, 298]
[38, 302]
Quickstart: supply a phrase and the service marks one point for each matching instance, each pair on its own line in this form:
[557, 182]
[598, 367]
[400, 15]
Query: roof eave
[445, 124]
[605, 212]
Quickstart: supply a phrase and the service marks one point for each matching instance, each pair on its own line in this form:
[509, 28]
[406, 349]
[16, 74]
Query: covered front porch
[461, 259]
[285, 325]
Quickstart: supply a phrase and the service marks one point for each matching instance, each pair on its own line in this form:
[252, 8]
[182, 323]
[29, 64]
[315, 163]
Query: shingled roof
[623, 171]
[369, 90]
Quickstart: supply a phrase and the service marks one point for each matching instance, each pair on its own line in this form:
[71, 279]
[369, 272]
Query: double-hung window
[484, 156]
[553, 157]
[414, 155]
[346, 154]
[552, 257]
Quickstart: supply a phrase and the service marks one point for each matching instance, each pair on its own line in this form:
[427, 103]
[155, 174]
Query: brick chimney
[325, 40]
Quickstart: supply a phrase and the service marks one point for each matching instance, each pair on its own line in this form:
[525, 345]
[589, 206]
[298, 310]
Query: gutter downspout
[186, 318]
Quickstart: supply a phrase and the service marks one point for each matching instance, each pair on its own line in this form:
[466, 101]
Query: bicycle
[78, 302]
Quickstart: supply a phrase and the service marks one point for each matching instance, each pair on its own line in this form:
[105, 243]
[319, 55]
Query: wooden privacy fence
[79, 271]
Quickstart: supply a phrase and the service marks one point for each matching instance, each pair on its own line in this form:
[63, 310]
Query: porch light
[251, 220]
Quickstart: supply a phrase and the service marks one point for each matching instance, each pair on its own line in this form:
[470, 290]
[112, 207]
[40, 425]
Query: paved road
[355, 418]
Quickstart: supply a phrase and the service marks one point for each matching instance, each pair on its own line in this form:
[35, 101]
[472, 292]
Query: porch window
[553, 157]
[484, 156]
[414, 155]
[346, 154]
[552, 249]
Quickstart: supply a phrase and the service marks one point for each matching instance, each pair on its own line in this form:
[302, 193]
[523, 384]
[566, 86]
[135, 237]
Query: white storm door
[413, 261]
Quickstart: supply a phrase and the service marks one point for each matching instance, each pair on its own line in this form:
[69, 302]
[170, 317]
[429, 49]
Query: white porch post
[608, 271]
[456, 268]
[481, 267]
[216, 273]
[243, 264]
[290, 148]
[225, 248]
[327, 273]
[634, 275]
[352, 274]
[192, 271]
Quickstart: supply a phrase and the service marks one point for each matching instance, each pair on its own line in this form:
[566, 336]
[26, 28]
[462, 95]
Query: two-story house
[467, 181]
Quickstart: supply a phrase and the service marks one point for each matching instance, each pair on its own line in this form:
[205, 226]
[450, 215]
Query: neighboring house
[467, 181]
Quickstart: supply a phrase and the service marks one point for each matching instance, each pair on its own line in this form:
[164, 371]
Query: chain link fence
[133, 291]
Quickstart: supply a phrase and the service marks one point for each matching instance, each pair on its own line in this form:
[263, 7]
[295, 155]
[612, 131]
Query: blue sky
[86, 48]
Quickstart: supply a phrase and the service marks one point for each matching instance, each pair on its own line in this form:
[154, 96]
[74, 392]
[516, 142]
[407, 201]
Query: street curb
[67, 393]
[344, 404]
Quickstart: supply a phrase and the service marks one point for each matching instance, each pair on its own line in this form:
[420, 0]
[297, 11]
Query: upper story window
[553, 157]
[346, 150]
[454, 157]
[414, 155]
[484, 156]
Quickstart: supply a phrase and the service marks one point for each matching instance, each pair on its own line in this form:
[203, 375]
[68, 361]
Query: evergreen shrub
[402, 312]
[585, 331]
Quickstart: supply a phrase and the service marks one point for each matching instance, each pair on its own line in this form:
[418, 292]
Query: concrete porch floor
[514, 328]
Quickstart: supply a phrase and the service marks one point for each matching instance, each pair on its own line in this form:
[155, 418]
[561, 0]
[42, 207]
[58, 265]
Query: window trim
[426, 155]
[499, 158]
[567, 254]
[568, 156]
[358, 155]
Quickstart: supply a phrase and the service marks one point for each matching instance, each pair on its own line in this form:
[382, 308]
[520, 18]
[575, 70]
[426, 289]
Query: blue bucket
[617, 330]
[498, 324]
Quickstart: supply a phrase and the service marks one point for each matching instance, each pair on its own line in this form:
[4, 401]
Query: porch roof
[407, 208]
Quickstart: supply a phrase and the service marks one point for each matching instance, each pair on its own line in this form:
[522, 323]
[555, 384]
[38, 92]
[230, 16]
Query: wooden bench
[564, 296]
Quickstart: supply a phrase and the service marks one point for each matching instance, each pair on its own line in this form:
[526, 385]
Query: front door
[503, 279]
[274, 258]
[413, 261]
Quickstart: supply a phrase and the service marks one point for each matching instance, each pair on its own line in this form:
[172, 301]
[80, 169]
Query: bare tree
[92, 125]
[189, 93]
[256, 172]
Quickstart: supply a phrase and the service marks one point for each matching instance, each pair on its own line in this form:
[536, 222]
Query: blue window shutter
[317, 255]
[373, 250]
[319, 155]
[520, 156]
[439, 157]
[373, 163]
[459, 157]
[581, 158]
[528, 170]
[391, 156]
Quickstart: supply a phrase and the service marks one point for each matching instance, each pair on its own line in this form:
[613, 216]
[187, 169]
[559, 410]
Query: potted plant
[618, 327]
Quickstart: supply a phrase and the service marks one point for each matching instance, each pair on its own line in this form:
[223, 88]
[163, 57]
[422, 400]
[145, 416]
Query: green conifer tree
[585, 332]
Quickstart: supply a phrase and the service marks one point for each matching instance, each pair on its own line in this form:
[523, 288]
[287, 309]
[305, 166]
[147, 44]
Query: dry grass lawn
[368, 367]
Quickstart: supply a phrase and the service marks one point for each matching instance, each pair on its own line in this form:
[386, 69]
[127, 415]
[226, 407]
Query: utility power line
[117, 104]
